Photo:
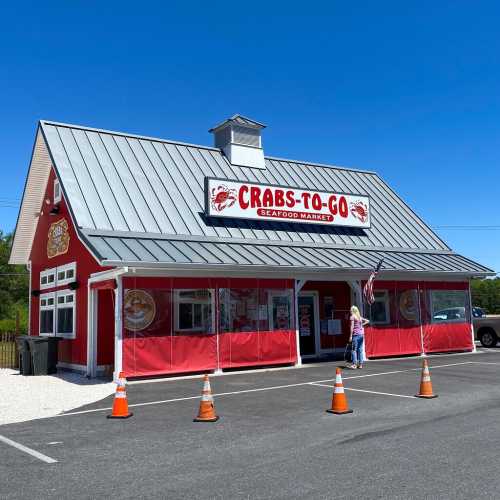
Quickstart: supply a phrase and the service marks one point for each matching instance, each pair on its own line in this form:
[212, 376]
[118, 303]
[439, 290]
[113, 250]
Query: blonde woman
[357, 337]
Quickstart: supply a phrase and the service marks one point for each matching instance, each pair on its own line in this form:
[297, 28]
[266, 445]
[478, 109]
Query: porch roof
[151, 251]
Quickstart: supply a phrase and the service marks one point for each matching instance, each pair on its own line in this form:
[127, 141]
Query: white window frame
[178, 300]
[55, 307]
[57, 191]
[46, 273]
[46, 307]
[386, 306]
[65, 268]
[67, 305]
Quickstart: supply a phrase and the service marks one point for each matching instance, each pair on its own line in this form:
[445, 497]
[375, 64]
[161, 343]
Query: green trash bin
[23, 348]
[44, 354]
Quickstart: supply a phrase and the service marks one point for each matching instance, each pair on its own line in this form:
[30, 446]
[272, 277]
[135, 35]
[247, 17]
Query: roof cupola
[240, 140]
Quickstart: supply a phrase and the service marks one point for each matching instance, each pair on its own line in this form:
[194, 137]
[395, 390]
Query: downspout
[30, 298]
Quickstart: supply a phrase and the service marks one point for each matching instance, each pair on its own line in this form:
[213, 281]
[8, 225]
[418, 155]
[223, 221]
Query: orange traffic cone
[120, 404]
[206, 412]
[340, 406]
[425, 383]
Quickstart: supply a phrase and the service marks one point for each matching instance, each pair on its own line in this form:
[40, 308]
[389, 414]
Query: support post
[422, 348]
[298, 284]
[472, 322]
[118, 328]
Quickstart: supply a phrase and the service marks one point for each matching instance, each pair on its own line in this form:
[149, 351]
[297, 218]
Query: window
[239, 310]
[48, 278]
[57, 191]
[449, 306]
[58, 276]
[379, 310]
[66, 274]
[47, 313]
[193, 311]
[65, 314]
[57, 314]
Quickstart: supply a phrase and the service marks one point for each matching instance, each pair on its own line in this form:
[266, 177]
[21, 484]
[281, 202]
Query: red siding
[70, 351]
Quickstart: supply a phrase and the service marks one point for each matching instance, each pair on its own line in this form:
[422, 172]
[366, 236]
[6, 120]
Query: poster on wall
[244, 200]
[58, 238]
[334, 327]
[408, 305]
[305, 320]
[328, 301]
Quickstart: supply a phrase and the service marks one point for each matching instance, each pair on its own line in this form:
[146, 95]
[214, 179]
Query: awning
[161, 252]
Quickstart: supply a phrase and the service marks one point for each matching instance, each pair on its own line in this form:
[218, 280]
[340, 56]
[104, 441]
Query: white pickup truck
[486, 328]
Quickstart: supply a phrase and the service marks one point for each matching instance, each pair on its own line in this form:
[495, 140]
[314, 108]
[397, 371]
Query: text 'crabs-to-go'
[256, 197]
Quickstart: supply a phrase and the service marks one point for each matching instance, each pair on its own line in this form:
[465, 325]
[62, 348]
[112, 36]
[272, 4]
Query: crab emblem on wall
[58, 239]
[359, 210]
[139, 310]
[222, 197]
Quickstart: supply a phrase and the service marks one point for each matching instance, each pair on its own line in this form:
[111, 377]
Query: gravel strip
[29, 398]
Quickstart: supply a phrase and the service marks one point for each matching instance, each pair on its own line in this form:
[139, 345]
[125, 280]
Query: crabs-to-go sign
[244, 200]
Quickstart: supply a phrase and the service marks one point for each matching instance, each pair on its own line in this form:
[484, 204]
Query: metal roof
[121, 183]
[148, 250]
[141, 199]
[239, 120]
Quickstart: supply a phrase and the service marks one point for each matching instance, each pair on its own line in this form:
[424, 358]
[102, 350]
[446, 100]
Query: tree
[486, 294]
[14, 286]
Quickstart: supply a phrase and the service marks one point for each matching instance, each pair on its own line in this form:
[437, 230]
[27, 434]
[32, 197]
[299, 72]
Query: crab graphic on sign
[222, 197]
[58, 239]
[359, 210]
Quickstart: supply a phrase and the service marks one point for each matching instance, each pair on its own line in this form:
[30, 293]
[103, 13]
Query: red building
[159, 257]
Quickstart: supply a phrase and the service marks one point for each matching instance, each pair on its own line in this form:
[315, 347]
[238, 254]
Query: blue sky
[408, 89]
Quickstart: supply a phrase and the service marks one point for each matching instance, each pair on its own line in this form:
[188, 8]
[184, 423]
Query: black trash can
[23, 348]
[43, 354]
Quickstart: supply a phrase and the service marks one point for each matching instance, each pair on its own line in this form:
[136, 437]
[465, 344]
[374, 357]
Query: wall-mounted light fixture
[54, 210]
[73, 285]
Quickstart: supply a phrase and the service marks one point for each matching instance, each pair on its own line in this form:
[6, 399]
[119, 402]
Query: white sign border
[279, 221]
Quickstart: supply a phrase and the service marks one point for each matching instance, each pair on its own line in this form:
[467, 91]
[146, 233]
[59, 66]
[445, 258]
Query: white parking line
[363, 390]
[29, 451]
[484, 363]
[260, 389]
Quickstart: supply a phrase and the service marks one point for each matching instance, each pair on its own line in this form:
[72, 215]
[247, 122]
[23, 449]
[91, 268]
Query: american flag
[368, 288]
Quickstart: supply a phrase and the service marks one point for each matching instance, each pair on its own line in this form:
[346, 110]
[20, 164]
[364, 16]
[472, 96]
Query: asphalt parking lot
[274, 438]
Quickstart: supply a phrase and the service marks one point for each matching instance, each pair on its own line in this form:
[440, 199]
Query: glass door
[308, 323]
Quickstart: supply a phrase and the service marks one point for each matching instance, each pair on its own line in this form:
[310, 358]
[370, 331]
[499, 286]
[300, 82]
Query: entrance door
[308, 323]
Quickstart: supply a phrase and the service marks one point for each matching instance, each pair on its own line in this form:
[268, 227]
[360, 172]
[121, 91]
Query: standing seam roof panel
[174, 199]
[135, 195]
[144, 185]
[159, 196]
[100, 181]
[198, 185]
[84, 177]
[132, 221]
